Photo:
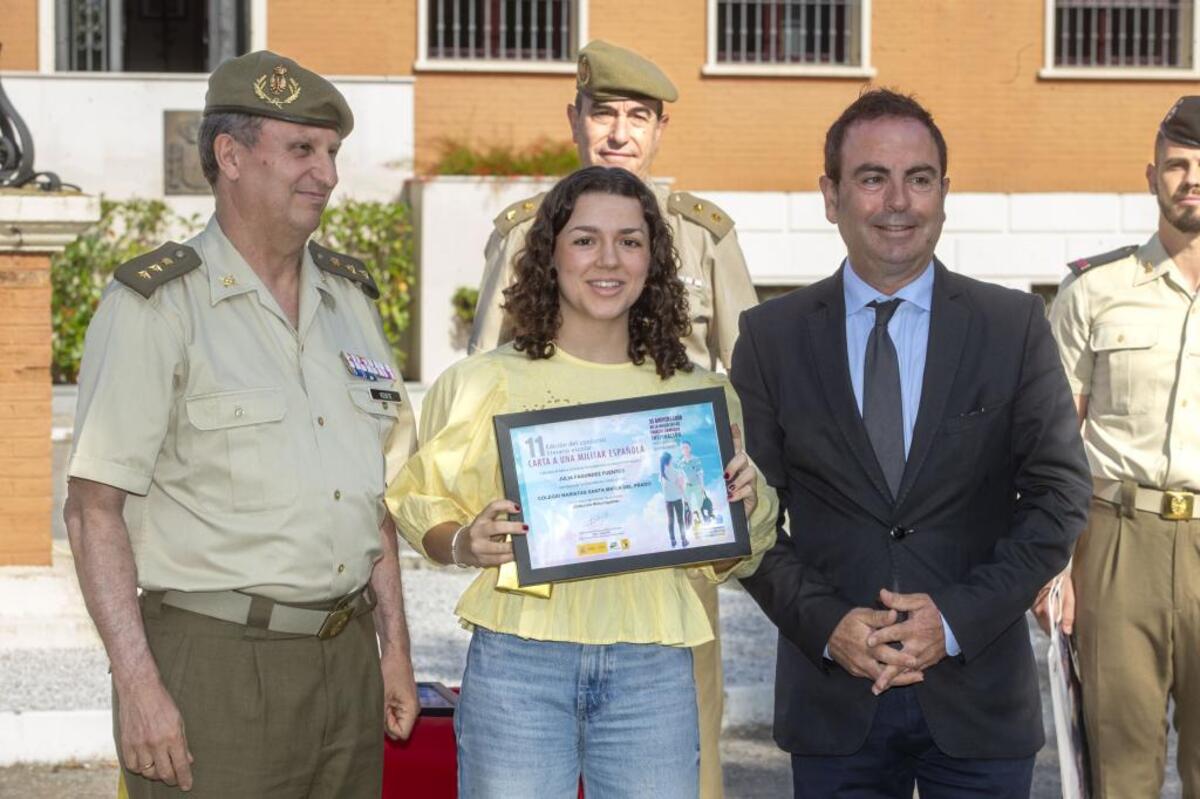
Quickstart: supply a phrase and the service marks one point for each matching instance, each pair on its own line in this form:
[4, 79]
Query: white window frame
[48, 43]
[860, 71]
[426, 64]
[1050, 71]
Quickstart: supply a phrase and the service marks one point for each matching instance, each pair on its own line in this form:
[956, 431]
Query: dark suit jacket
[994, 494]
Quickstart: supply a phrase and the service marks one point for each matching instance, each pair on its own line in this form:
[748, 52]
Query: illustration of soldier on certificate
[619, 486]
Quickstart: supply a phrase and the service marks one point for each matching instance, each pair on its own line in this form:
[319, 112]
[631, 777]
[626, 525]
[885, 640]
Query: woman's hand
[481, 543]
[741, 478]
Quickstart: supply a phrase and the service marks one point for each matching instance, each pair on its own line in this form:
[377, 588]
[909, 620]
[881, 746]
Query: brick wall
[25, 488]
[364, 37]
[974, 64]
[19, 34]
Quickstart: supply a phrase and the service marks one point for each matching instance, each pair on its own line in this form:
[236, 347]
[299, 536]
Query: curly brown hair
[658, 320]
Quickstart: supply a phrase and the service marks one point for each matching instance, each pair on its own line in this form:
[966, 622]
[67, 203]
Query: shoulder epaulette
[336, 263]
[1082, 265]
[702, 212]
[150, 270]
[517, 213]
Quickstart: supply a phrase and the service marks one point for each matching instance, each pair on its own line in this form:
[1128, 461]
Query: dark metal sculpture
[16, 152]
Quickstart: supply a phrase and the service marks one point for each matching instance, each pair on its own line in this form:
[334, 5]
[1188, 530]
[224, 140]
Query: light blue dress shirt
[909, 330]
[908, 327]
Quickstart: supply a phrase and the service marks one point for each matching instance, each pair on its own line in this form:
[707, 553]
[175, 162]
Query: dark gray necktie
[883, 413]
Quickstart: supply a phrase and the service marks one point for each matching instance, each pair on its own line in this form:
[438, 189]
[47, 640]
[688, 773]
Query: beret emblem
[277, 88]
[585, 71]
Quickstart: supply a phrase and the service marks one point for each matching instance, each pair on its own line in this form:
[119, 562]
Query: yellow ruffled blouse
[456, 473]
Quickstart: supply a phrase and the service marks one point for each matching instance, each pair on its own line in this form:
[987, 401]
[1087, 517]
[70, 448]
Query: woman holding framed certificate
[557, 441]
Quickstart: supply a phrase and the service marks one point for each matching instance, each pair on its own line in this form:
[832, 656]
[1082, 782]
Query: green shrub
[80, 272]
[543, 157]
[378, 233]
[464, 300]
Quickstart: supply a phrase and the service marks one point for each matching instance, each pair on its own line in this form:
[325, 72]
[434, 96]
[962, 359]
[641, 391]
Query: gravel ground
[53, 679]
[755, 770]
[77, 679]
[65, 679]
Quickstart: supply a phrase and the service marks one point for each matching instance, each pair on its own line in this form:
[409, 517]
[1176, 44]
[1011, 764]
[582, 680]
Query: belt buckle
[337, 619]
[1177, 505]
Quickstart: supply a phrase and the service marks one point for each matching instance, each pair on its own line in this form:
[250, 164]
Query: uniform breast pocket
[241, 449]
[378, 409]
[1123, 380]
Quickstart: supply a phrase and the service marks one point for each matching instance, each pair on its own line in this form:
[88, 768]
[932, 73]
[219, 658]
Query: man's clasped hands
[893, 645]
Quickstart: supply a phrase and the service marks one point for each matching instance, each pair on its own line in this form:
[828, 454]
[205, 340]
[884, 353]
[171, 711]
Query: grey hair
[244, 128]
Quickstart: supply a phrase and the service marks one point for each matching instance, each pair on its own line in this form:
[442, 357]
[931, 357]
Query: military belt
[267, 614]
[1169, 505]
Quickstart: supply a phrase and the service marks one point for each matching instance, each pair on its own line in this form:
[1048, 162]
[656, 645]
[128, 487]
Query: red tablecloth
[426, 765]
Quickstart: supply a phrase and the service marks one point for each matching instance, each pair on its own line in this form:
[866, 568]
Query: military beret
[607, 72]
[1182, 123]
[269, 85]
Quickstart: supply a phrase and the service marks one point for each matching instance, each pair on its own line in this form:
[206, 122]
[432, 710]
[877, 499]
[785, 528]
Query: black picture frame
[436, 699]
[527, 574]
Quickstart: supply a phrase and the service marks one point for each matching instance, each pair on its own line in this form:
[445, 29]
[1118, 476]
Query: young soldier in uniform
[1127, 330]
[242, 384]
[618, 120]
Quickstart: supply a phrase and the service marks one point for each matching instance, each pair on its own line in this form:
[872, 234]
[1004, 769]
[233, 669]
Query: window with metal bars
[539, 31]
[149, 35]
[1124, 33]
[789, 32]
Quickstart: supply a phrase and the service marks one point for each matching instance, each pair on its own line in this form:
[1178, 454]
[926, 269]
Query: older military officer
[618, 120]
[1128, 329]
[241, 383]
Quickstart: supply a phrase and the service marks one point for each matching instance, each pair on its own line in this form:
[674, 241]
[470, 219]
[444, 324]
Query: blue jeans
[534, 715]
[899, 751]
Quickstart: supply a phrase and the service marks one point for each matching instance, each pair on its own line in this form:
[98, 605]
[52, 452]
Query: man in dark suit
[919, 429]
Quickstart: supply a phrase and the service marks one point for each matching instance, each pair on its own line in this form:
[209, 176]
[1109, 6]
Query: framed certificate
[620, 486]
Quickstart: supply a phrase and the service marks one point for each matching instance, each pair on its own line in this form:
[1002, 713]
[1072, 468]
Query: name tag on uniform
[385, 395]
[366, 368]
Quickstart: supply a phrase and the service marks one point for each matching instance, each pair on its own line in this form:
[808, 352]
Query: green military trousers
[268, 714]
[1137, 599]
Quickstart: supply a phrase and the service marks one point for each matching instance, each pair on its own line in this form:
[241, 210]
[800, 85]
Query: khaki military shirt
[1129, 336]
[711, 266]
[260, 456]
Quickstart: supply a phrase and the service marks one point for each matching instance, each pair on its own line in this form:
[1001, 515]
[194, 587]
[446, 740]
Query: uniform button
[385, 406]
[337, 494]
[321, 421]
[341, 568]
[1184, 403]
[238, 412]
[1120, 338]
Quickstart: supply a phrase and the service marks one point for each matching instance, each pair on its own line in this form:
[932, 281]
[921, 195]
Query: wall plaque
[181, 159]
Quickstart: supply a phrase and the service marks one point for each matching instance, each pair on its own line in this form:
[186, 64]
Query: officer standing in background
[1128, 329]
[242, 384]
[618, 120]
